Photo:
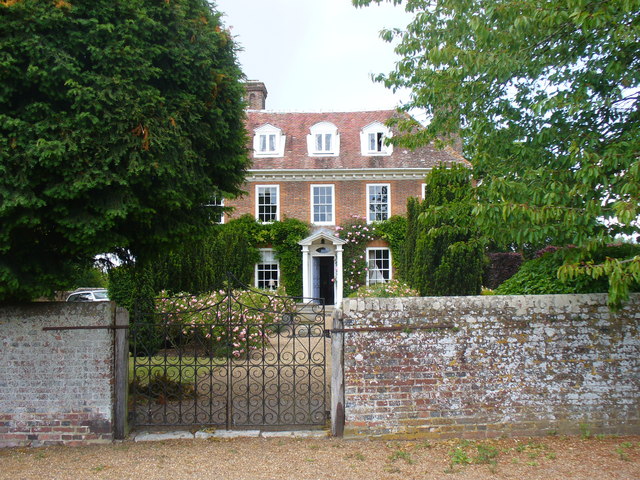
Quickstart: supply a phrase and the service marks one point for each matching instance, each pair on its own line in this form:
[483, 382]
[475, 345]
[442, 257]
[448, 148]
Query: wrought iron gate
[232, 359]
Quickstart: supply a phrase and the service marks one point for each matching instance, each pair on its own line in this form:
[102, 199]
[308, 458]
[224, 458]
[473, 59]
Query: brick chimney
[256, 96]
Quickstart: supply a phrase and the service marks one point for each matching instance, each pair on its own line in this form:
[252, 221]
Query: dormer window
[323, 140]
[376, 143]
[268, 142]
[373, 139]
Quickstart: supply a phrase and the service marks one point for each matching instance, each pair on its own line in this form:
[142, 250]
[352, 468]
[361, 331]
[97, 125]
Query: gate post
[337, 375]
[121, 372]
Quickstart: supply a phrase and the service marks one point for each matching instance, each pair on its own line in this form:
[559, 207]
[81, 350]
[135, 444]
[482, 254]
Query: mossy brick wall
[56, 386]
[480, 367]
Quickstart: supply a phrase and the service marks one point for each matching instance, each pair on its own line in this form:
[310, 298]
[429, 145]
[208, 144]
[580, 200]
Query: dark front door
[325, 266]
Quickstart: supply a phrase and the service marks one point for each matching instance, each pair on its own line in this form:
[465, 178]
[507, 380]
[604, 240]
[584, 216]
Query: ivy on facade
[358, 233]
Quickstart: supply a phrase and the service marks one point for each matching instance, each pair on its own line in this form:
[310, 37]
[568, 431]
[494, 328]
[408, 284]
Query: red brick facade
[350, 198]
[349, 168]
[347, 152]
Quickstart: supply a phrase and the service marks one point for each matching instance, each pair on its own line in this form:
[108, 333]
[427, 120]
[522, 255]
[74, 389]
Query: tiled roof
[296, 128]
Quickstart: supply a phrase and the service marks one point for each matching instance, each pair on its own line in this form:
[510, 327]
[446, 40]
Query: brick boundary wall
[489, 366]
[57, 387]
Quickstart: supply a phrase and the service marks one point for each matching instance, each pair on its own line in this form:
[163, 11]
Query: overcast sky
[315, 55]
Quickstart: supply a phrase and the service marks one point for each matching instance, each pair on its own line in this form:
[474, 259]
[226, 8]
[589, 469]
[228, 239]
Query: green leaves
[118, 122]
[580, 270]
[623, 275]
[545, 99]
[445, 253]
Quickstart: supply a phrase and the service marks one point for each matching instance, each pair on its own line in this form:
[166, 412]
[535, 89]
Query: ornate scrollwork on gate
[233, 359]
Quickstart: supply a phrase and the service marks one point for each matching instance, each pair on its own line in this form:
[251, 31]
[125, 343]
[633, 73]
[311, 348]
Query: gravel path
[549, 458]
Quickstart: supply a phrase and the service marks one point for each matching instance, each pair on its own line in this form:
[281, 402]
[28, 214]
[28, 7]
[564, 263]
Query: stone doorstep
[206, 434]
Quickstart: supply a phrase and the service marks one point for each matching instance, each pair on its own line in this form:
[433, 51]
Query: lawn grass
[181, 369]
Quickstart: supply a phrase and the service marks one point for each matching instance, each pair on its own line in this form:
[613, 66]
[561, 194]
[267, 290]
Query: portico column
[339, 276]
[306, 280]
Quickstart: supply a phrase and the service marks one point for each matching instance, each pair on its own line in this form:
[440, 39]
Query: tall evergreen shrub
[448, 256]
[202, 264]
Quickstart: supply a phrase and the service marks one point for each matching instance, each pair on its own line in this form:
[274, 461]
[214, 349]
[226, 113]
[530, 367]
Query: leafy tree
[118, 122]
[448, 252]
[546, 98]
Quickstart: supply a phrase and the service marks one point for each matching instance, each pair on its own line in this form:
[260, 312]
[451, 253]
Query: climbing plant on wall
[357, 234]
[394, 231]
[284, 237]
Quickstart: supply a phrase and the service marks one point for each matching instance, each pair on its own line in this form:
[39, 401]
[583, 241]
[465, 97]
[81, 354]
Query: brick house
[324, 169]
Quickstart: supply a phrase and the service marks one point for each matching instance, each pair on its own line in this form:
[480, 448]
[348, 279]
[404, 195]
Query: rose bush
[223, 324]
[392, 288]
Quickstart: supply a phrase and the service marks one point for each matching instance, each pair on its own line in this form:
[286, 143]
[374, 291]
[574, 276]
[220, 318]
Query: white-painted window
[216, 208]
[322, 205]
[323, 140]
[268, 203]
[268, 270]
[378, 202]
[378, 265]
[373, 139]
[268, 141]
[424, 190]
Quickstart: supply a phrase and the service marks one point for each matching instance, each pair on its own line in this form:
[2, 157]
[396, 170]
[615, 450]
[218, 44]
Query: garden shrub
[540, 275]
[130, 286]
[203, 264]
[206, 322]
[448, 254]
[414, 208]
[394, 231]
[502, 266]
[392, 288]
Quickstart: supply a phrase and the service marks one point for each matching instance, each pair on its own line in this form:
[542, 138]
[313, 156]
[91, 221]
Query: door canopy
[323, 243]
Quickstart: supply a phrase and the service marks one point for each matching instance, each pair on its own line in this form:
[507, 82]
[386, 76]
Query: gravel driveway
[548, 458]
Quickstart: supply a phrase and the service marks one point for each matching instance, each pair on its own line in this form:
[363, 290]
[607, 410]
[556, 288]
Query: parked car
[89, 295]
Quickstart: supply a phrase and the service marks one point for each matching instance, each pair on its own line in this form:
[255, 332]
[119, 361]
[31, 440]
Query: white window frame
[369, 203]
[216, 202]
[313, 204]
[389, 269]
[277, 204]
[269, 261]
[424, 190]
[323, 129]
[266, 131]
[376, 129]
